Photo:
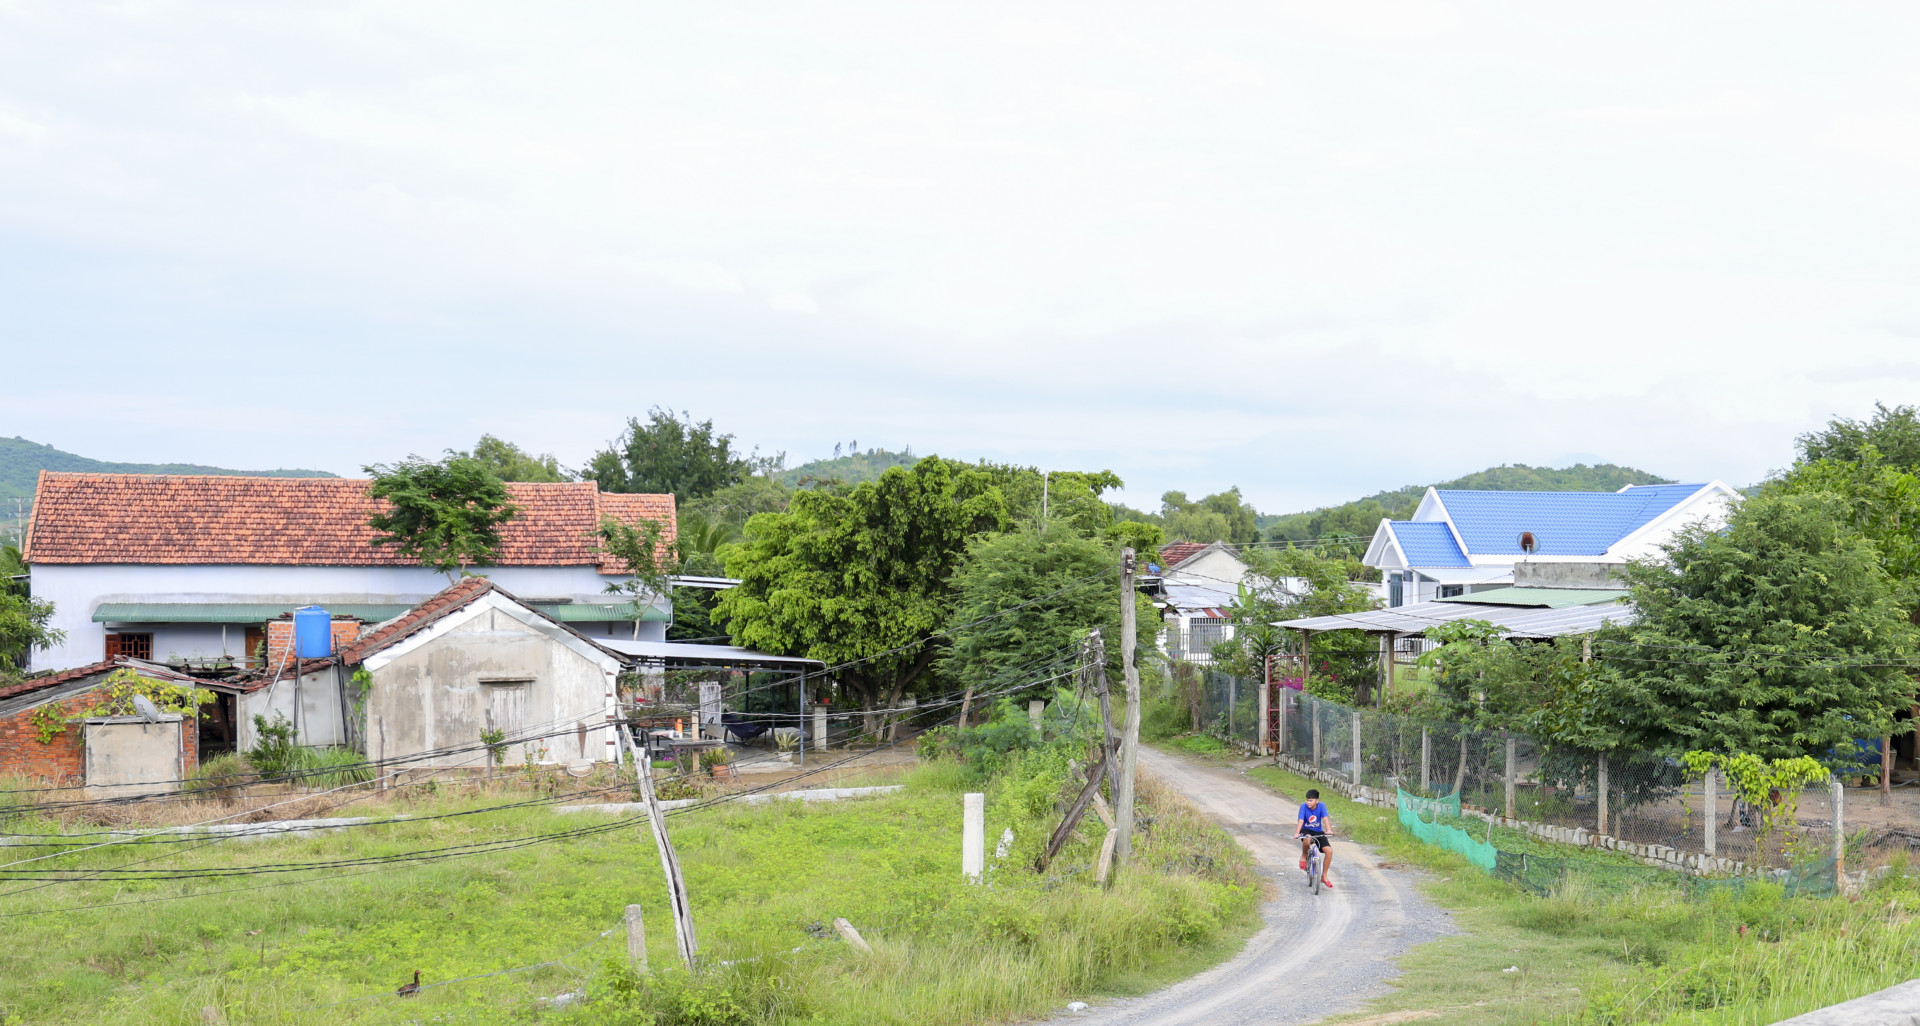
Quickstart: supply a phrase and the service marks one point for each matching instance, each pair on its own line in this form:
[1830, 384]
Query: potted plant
[787, 739]
[718, 763]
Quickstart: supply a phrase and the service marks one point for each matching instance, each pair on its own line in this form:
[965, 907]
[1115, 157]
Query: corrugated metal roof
[1563, 523]
[235, 612]
[1544, 598]
[1516, 621]
[1428, 543]
[1194, 596]
[683, 653]
[596, 612]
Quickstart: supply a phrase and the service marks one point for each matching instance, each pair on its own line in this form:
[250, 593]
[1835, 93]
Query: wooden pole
[683, 935]
[636, 939]
[1097, 651]
[1426, 761]
[1313, 710]
[1130, 727]
[1088, 795]
[1265, 710]
[1392, 668]
[1281, 747]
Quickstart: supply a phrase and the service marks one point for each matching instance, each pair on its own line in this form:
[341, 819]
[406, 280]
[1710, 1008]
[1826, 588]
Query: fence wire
[1637, 798]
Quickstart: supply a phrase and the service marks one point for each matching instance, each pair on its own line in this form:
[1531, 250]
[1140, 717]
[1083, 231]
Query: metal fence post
[1426, 761]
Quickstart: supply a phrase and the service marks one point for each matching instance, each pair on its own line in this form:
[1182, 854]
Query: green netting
[1412, 810]
[1544, 874]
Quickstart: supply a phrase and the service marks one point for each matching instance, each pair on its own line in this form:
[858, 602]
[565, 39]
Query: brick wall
[62, 762]
[280, 638]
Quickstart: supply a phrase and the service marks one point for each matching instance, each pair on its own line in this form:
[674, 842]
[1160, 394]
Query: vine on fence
[1771, 785]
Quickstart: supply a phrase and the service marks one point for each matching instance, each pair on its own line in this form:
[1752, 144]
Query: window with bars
[135, 646]
[1452, 590]
[1204, 632]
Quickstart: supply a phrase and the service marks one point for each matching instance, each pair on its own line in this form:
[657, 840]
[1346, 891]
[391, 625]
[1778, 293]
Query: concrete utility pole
[1130, 727]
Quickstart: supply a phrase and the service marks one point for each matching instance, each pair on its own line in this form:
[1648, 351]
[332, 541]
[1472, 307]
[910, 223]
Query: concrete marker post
[1035, 709]
[636, 940]
[1710, 785]
[1839, 799]
[1600, 791]
[973, 835]
[1426, 761]
[820, 728]
[1356, 748]
[1511, 763]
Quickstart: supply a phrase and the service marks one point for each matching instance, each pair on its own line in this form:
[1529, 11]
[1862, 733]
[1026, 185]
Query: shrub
[276, 746]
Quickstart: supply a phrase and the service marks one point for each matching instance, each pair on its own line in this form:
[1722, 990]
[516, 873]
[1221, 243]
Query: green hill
[22, 461]
[1361, 516]
[852, 468]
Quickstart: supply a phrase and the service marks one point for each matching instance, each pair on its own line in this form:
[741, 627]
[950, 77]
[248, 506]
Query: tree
[1893, 432]
[737, 503]
[677, 455]
[1028, 596]
[509, 462]
[699, 542]
[1778, 637]
[1291, 584]
[647, 558]
[1070, 498]
[858, 576]
[1219, 517]
[447, 514]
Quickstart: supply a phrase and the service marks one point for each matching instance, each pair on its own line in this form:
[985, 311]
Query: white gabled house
[1460, 542]
[1197, 584]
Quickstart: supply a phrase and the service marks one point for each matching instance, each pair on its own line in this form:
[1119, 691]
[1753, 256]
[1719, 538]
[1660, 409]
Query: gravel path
[1317, 955]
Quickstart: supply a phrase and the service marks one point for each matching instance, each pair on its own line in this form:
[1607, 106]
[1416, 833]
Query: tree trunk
[1460, 775]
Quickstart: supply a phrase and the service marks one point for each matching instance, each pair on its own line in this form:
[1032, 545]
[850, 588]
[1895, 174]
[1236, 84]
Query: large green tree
[862, 576]
[1893, 432]
[25, 622]
[446, 514]
[675, 454]
[509, 462]
[1223, 516]
[1291, 584]
[1781, 635]
[1026, 597]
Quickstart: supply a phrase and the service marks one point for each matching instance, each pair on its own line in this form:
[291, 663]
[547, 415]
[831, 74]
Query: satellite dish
[148, 711]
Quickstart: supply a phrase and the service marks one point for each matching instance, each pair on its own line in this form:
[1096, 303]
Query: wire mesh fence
[1637, 806]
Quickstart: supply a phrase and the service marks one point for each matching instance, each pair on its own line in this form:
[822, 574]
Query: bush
[276, 746]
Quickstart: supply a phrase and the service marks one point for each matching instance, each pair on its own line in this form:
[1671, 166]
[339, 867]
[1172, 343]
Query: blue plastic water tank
[312, 632]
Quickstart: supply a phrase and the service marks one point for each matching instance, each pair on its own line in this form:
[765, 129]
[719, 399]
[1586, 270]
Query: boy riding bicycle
[1312, 830]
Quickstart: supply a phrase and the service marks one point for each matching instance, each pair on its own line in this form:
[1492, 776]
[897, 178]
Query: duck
[410, 989]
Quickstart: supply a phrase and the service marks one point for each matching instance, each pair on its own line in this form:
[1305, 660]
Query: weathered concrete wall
[127, 755]
[1534, 574]
[312, 702]
[1896, 1006]
[442, 694]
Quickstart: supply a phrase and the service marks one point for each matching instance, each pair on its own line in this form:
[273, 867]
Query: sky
[1310, 249]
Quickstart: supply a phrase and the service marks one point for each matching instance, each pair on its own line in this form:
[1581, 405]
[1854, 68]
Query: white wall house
[185, 569]
[1198, 582]
[1459, 542]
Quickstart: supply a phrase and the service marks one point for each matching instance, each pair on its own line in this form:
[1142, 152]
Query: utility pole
[1130, 727]
[669, 862]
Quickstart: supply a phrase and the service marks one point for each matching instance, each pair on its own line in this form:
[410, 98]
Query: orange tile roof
[1177, 553]
[294, 521]
[455, 596]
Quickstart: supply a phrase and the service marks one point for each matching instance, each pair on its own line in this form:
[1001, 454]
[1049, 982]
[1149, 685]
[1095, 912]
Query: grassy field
[331, 945]
[1647, 956]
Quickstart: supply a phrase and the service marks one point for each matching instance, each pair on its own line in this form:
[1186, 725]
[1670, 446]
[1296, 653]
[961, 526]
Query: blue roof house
[1459, 542]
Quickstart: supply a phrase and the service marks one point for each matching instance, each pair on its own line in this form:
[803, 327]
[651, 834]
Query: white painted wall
[76, 590]
[1214, 569]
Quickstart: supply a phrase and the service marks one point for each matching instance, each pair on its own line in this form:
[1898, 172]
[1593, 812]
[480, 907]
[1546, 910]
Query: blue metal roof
[1428, 543]
[1563, 523]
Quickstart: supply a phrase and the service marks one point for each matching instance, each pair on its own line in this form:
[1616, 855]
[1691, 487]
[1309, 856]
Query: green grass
[331, 948]
[1200, 744]
[1644, 957]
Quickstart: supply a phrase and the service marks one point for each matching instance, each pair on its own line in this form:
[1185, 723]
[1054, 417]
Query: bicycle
[1314, 860]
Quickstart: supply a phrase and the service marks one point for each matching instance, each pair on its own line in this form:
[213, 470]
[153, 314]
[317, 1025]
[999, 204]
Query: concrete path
[1317, 955]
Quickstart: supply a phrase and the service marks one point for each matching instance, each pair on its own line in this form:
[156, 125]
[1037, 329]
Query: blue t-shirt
[1313, 817]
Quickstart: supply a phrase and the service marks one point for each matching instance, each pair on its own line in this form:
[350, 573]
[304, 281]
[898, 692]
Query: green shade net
[1422, 816]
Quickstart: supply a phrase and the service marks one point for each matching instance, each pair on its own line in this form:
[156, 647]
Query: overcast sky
[1313, 249]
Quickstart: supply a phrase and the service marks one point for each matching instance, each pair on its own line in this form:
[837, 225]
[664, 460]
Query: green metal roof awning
[1542, 598]
[597, 612]
[235, 612]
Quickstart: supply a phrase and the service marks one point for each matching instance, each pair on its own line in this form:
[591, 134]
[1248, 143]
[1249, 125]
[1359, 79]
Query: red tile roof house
[185, 569]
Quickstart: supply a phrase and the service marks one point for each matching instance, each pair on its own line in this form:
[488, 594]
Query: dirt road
[1317, 955]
